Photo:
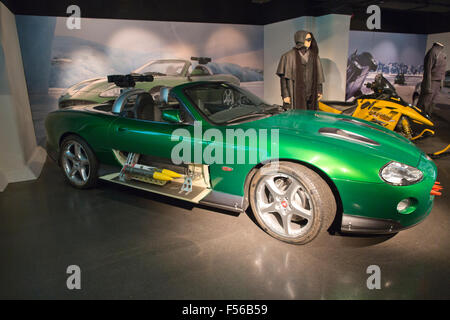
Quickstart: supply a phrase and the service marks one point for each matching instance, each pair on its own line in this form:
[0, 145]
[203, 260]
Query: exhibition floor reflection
[141, 245]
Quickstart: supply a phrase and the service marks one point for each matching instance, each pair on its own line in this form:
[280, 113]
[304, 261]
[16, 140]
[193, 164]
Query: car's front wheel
[78, 162]
[292, 203]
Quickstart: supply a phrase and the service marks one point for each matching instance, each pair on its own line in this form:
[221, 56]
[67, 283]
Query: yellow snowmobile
[385, 108]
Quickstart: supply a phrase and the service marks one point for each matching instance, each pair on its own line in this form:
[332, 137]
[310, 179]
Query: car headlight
[114, 92]
[399, 174]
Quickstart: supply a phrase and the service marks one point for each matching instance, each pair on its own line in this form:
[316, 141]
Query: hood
[308, 124]
[300, 36]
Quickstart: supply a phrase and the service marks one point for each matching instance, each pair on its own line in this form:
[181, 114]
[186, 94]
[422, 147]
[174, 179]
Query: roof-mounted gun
[127, 84]
[128, 80]
[201, 60]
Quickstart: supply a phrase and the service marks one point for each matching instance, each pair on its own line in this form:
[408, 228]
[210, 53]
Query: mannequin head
[305, 39]
[300, 39]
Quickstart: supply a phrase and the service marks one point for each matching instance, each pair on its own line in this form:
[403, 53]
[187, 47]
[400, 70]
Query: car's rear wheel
[291, 203]
[78, 162]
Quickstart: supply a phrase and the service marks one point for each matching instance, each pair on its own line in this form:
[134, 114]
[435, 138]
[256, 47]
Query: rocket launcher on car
[152, 172]
[202, 60]
[128, 80]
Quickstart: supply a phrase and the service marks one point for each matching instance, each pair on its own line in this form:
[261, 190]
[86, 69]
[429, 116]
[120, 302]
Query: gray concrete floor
[130, 244]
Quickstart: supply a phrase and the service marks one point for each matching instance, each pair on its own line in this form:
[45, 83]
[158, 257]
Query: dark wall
[423, 18]
[399, 21]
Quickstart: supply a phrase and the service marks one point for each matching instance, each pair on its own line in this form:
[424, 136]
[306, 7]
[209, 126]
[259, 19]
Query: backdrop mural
[56, 57]
[398, 56]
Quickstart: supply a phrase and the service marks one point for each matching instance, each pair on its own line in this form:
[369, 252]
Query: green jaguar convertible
[213, 143]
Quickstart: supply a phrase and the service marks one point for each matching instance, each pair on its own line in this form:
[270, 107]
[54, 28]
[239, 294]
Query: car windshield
[223, 103]
[163, 68]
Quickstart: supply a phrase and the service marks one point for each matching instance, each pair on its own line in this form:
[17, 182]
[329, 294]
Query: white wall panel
[332, 35]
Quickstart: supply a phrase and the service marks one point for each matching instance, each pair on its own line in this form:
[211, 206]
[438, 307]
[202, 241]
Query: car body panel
[353, 168]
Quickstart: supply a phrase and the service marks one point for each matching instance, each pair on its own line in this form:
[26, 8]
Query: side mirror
[171, 115]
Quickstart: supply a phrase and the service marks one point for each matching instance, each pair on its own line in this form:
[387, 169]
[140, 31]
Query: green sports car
[214, 143]
[167, 72]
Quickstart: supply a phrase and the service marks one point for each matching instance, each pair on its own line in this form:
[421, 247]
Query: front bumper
[372, 207]
[363, 225]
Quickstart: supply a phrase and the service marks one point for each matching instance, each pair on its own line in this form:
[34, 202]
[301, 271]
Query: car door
[154, 142]
[152, 138]
[144, 137]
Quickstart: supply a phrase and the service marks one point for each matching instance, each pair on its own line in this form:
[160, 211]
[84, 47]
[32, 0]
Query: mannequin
[301, 74]
[435, 64]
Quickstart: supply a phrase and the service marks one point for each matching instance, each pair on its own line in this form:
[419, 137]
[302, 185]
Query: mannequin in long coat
[301, 73]
[435, 64]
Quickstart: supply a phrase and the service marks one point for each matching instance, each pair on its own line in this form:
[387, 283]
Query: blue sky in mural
[394, 53]
[390, 47]
[105, 46]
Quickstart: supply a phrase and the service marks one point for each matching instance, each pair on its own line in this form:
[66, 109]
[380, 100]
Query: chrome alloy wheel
[284, 205]
[76, 163]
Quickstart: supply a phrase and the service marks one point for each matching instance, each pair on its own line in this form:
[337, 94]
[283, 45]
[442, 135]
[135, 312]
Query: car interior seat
[144, 107]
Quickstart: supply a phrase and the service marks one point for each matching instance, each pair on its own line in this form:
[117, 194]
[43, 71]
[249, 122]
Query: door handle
[121, 129]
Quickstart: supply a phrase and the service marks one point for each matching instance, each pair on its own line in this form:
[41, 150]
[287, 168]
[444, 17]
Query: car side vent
[347, 135]
[360, 123]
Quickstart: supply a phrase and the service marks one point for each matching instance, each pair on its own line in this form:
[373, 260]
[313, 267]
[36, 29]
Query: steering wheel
[228, 98]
